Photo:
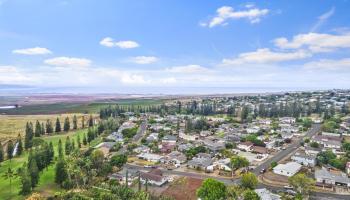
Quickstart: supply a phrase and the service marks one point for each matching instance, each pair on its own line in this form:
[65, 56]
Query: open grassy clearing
[46, 184]
[12, 125]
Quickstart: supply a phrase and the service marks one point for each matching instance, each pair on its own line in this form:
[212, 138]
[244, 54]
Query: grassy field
[12, 125]
[76, 107]
[46, 184]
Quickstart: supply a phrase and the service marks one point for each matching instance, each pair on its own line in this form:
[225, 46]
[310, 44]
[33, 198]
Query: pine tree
[51, 152]
[1, 153]
[60, 172]
[37, 131]
[42, 129]
[49, 128]
[20, 145]
[26, 182]
[91, 121]
[78, 142]
[29, 136]
[84, 140]
[33, 172]
[83, 122]
[75, 123]
[58, 125]
[60, 149]
[66, 125]
[10, 149]
[68, 146]
[72, 146]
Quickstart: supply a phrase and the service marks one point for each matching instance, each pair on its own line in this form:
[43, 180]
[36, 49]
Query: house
[328, 177]
[223, 164]
[253, 129]
[126, 125]
[188, 137]
[149, 157]
[184, 147]
[170, 139]
[330, 142]
[303, 159]
[205, 133]
[245, 146]
[288, 169]
[264, 121]
[287, 120]
[312, 150]
[142, 149]
[214, 145]
[121, 176]
[232, 138]
[153, 177]
[152, 137]
[105, 147]
[347, 168]
[175, 158]
[260, 150]
[167, 147]
[287, 135]
[201, 163]
[265, 194]
[116, 136]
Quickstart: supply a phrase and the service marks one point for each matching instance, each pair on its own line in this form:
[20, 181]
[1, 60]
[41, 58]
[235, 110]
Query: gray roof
[325, 174]
[200, 162]
[170, 137]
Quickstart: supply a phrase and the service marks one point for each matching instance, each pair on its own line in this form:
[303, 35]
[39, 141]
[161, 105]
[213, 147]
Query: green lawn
[46, 184]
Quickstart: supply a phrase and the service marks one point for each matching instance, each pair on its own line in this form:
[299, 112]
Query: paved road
[276, 158]
[282, 154]
[137, 138]
[140, 131]
[227, 181]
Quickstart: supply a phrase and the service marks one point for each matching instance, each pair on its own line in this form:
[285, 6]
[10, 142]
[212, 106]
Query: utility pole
[127, 178]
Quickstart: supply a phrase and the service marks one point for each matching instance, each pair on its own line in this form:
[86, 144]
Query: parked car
[262, 171]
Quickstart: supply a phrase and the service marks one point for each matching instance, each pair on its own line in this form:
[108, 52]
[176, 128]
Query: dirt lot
[275, 178]
[184, 188]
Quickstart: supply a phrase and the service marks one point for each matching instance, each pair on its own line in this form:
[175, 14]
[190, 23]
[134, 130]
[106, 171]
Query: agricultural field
[12, 125]
[57, 108]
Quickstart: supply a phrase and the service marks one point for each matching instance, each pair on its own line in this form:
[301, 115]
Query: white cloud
[109, 42]
[170, 80]
[68, 62]
[12, 75]
[329, 65]
[322, 19]
[133, 79]
[223, 14]
[315, 42]
[265, 55]
[188, 69]
[32, 51]
[144, 59]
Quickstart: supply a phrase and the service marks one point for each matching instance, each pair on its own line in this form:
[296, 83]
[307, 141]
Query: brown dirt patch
[184, 188]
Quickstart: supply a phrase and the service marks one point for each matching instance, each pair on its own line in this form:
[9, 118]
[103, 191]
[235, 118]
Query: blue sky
[154, 46]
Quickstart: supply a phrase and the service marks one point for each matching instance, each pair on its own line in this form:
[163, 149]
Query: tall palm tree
[10, 174]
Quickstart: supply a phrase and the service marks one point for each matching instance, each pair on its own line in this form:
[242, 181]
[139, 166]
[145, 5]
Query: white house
[188, 137]
[154, 177]
[288, 169]
[150, 157]
[303, 159]
[265, 194]
[245, 146]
